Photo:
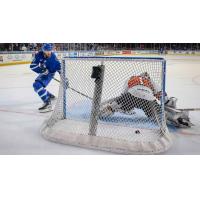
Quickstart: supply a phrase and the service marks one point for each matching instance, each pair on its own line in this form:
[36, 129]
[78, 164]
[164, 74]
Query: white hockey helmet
[145, 75]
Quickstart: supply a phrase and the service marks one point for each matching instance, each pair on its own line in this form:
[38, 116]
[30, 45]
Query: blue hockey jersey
[40, 62]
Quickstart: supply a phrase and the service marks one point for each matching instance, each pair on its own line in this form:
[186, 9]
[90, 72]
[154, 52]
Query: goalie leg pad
[128, 102]
[171, 102]
[177, 117]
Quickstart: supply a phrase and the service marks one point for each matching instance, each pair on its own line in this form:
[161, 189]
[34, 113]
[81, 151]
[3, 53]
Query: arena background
[22, 53]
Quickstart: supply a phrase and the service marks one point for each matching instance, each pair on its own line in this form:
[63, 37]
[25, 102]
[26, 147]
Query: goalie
[142, 93]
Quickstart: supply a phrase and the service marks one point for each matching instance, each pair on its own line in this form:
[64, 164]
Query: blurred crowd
[19, 46]
[101, 46]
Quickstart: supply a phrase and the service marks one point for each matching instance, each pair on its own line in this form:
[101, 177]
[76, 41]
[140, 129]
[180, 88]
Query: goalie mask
[145, 75]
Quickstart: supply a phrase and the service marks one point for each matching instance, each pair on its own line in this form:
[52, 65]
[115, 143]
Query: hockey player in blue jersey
[46, 65]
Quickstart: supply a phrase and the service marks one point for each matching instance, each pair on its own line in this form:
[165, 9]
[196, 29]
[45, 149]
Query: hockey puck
[137, 132]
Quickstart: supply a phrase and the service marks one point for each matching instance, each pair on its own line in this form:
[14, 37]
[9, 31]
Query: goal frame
[162, 144]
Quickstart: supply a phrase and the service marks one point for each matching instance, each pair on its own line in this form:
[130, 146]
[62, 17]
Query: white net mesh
[102, 114]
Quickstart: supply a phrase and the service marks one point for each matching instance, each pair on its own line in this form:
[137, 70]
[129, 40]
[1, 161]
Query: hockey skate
[176, 117]
[52, 97]
[46, 107]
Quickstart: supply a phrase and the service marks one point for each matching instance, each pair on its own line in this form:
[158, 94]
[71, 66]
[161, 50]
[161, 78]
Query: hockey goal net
[76, 118]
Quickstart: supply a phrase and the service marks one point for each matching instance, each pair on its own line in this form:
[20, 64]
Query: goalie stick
[184, 109]
[74, 90]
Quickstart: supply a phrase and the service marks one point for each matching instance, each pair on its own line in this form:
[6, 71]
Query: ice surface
[20, 121]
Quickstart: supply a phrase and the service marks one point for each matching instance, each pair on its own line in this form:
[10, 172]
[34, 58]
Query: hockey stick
[189, 109]
[75, 90]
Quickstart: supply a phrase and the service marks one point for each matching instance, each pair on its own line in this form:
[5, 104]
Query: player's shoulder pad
[53, 54]
[39, 55]
[54, 57]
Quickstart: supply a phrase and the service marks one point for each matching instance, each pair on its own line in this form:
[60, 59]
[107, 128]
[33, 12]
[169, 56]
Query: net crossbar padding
[76, 118]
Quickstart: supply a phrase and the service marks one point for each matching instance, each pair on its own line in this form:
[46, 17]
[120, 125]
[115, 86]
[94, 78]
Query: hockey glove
[45, 71]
